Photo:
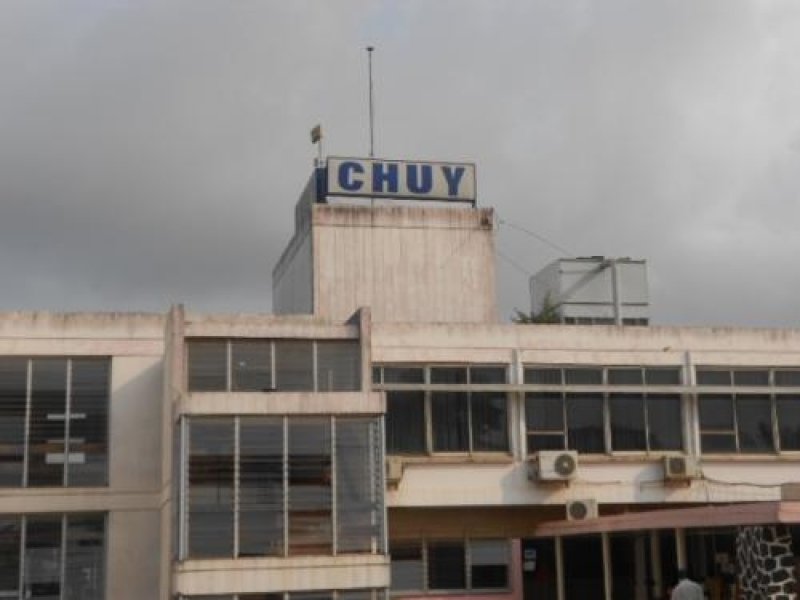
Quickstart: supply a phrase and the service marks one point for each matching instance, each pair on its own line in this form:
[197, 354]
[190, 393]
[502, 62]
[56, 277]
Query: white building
[395, 438]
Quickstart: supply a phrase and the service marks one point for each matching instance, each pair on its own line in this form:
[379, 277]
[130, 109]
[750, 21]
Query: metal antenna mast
[371, 105]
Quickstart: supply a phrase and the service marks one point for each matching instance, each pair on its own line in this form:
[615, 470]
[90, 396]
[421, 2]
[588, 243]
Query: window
[458, 420]
[255, 365]
[746, 422]
[265, 486]
[436, 566]
[636, 421]
[54, 417]
[53, 556]
[363, 594]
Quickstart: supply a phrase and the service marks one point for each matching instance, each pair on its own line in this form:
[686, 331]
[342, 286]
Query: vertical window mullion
[776, 430]
[67, 420]
[62, 567]
[334, 481]
[273, 376]
[646, 403]
[285, 486]
[236, 473]
[314, 361]
[428, 415]
[468, 563]
[183, 518]
[735, 422]
[425, 574]
[228, 365]
[27, 425]
[23, 526]
[564, 420]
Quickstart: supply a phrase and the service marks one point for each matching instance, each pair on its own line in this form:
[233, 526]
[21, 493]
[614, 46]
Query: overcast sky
[152, 152]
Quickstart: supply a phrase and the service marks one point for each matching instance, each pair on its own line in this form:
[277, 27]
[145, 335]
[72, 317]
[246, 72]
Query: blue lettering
[413, 182]
[347, 178]
[453, 177]
[383, 173]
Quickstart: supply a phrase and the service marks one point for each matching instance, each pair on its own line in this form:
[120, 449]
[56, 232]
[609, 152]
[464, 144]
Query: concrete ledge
[34, 500]
[283, 403]
[267, 326]
[259, 575]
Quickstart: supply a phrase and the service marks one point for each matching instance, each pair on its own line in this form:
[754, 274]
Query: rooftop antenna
[371, 104]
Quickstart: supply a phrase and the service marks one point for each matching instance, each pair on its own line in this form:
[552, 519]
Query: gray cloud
[152, 151]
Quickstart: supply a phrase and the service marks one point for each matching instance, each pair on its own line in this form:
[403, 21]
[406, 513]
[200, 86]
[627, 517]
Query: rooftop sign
[380, 178]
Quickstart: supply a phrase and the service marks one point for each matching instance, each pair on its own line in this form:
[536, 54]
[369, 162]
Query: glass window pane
[544, 411]
[403, 375]
[583, 560]
[583, 376]
[751, 377]
[13, 392]
[43, 558]
[84, 569]
[662, 376]
[544, 414]
[251, 368]
[310, 506]
[716, 411]
[407, 568]
[488, 564]
[358, 498]
[627, 422]
[787, 377]
[625, 376]
[9, 555]
[713, 377]
[457, 375]
[664, 422]
[338, 365]
[446, 566]
[539, 569]
[48, 407]
[450, 414]
[294, 365]
[88, 434]
[789, 421]
[207, 362]
[754, 420]
[261, 492]
[482, 375]
[211, 472]
[718, 442]
[543, 376]
[489, 421]
[585, 423]
[405, 422]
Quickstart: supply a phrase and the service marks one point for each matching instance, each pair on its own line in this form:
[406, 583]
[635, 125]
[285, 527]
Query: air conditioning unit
[394, 471]
[679, 467]
[550, 465]
[580, 510]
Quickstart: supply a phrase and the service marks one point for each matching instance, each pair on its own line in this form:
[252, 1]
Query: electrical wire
[533, 234]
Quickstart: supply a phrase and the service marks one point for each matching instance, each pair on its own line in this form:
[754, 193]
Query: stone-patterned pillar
[765, 562]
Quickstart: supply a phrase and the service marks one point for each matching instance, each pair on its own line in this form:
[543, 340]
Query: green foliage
[548, 314]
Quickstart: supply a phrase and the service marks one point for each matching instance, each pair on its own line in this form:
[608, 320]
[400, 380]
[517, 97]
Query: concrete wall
[133, 498]
[407, 263]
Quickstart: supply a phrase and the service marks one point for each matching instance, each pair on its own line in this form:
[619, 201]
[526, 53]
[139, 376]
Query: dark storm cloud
[152, 152]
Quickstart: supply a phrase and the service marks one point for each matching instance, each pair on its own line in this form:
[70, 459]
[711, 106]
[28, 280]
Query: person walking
[686, 588]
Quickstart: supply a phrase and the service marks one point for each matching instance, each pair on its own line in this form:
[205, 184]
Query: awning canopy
[729, 515]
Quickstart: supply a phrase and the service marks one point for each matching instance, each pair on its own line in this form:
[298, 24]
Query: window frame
[378, 379]
[467, 548]
[274, 343]
[71, 448]
[646, 391]
[772, 389]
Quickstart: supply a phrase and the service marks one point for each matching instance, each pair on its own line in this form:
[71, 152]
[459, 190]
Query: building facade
[384, 434]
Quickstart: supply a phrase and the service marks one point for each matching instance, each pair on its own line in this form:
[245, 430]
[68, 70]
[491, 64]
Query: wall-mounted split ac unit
[580, 510]
[679, 467]
[553, 465]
